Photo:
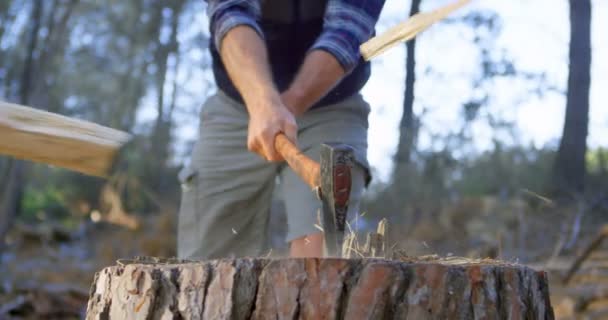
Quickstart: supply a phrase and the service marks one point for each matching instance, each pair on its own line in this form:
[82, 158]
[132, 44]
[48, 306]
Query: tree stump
[328, 288]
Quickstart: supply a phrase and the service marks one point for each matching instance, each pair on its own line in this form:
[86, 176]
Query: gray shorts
[227, 190]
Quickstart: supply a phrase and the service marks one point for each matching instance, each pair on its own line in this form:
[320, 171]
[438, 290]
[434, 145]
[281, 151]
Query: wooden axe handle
[306, 168]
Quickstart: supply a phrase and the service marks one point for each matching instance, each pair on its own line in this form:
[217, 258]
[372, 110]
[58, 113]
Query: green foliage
[597, 171]
[597, 161]
[437, 177]
[505, 171]
[47, 203]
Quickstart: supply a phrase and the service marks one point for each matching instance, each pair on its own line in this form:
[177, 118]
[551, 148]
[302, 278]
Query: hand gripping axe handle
[330, 179]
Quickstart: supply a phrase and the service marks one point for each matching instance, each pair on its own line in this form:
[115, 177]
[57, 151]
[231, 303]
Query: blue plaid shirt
[347, 24]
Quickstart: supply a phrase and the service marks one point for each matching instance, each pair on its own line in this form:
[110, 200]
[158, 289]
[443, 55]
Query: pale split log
[40, 136]
[406, 30]
[311, 288]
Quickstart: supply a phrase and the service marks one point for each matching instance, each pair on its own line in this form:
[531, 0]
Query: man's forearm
[319, 73]
[346, 25]
[246, 60]
[244, 55]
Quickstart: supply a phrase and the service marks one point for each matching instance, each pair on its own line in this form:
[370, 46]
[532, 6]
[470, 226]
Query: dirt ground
[585, 296]
[46, 272]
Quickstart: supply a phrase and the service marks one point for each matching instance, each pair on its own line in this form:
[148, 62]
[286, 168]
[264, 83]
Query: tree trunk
[52, 48]
[570, 161]
[161, 133]
[13, 191]
[320, 289]
[10, 200]
[406, 128]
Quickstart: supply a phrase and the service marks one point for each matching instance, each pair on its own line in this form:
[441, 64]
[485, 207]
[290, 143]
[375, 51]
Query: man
[290, 66]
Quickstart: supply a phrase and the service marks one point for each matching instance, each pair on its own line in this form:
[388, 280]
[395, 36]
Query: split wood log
[406, 30]
[315, 288]
[41, 136]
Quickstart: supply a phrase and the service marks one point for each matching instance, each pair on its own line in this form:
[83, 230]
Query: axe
[330, 179]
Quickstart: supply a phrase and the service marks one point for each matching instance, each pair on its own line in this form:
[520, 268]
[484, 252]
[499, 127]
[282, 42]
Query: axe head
[336, 163]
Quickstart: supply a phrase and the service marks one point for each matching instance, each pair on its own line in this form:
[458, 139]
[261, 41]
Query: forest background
[488, 134]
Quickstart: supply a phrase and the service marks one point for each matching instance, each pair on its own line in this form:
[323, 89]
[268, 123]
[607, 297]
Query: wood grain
[30, 134]
[407, 30]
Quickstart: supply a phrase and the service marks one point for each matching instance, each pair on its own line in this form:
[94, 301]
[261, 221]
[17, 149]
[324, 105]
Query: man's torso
[290, 28]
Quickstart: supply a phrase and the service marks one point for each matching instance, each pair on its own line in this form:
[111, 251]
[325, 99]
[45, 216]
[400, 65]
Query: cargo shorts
[227, 190]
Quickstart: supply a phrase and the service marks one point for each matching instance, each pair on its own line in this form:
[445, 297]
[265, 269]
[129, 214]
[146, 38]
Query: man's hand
[271, 117]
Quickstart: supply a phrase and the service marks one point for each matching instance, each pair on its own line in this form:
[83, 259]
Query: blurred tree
[13, 189]
[167, 51]
[423, 176]
[569, 171]
[103, 61]
[398, 190]
[407, 126]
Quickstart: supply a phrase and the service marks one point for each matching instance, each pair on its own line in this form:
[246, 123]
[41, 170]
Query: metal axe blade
[336, 181]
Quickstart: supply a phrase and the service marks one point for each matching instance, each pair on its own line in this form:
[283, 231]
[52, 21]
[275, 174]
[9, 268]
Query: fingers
[270, 153]
[290, 128]
[254, 146]
[256, 143]
[262, 143]
[261, 139]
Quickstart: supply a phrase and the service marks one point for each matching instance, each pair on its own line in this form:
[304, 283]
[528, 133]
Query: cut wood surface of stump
[328, 288]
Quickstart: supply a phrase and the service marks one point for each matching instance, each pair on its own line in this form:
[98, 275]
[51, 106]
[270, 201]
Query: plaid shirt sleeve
[348, 23]
[227, 14]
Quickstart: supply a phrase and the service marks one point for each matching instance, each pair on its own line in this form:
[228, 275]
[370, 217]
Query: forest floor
[586, 294]
[46, 272]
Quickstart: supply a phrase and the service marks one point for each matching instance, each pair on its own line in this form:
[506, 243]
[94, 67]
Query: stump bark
[312, 288]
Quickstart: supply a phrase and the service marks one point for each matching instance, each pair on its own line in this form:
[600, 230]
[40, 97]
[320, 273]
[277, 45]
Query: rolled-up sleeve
[347, 24]
[227, 14]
